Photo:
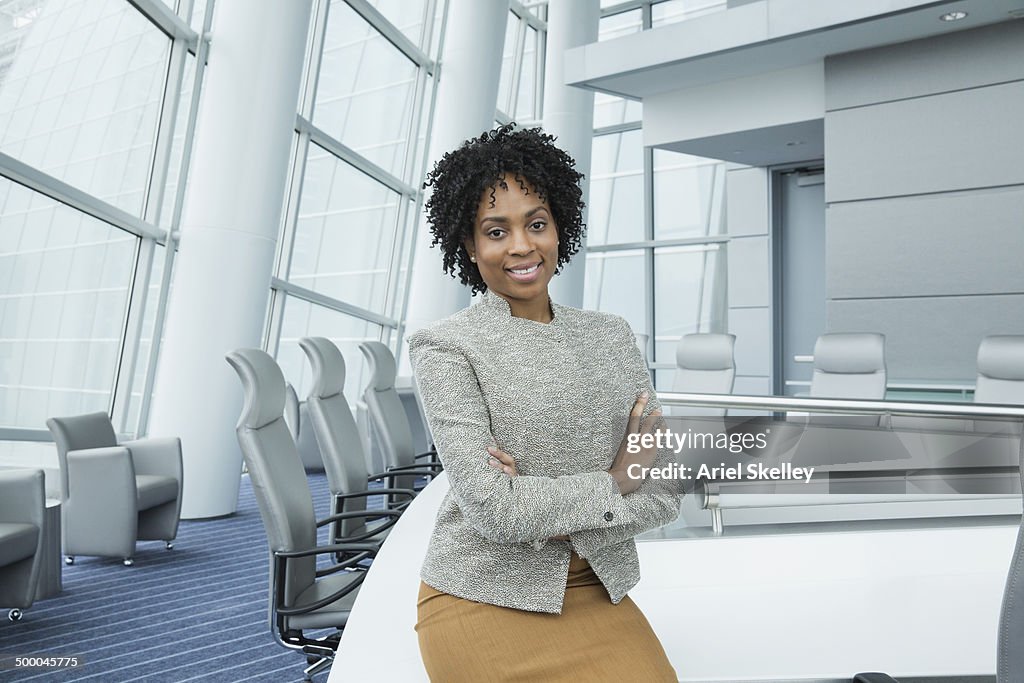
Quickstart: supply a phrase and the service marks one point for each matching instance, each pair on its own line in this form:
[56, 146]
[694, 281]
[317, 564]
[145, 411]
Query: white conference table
[814, 606]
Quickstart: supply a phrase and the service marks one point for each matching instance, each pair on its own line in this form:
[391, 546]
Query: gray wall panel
[752, 327]
[965, 59]
[749, 278]
[746, 196]
[934, 337]
[947, 244]
[953, 141]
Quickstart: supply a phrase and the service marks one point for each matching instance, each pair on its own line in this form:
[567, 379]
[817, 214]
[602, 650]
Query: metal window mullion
[415, 220]
[351, 157]
[316, 58]
[645, 16]
[167, 20]
[391, 33]
[647, 244]
[526, 15]
[539, 63]
[172, 237]
[331, 303]
[153, 204]
[62, 192]
[627, 127]
[649, 274]
[138, 268]
[517, 66]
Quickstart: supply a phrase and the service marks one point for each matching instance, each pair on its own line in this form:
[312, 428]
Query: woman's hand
[644, 457]
[500, 460]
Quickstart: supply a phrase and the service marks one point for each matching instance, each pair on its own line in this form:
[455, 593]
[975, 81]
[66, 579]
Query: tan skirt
[592, 639]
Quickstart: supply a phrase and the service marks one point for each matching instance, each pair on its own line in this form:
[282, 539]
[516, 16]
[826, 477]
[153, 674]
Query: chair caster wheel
[169, 545]
[14, 614]
[128, 561]
[69, 560]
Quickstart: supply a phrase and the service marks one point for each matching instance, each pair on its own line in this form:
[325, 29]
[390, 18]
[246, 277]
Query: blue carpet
[195, 613]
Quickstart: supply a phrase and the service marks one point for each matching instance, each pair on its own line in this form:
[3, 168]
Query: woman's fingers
[638, 410]
[500, 460]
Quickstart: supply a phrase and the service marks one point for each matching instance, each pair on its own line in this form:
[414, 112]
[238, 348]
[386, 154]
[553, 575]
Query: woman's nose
[520, 242]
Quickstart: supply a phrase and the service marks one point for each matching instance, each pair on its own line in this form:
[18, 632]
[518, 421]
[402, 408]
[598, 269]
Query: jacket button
[608, 516]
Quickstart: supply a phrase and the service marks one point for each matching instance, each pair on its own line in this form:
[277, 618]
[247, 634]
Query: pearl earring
[473, 259]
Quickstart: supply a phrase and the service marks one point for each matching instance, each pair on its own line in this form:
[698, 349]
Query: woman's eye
[539, 225]
[495, 233]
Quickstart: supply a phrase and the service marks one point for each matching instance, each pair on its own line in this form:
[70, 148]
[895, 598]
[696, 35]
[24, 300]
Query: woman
[530, 403]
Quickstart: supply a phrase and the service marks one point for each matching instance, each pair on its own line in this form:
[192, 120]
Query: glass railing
[752, 460]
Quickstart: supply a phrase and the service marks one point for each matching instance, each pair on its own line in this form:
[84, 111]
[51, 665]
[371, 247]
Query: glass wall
[359, 156]
[96, 101]
[656, 244]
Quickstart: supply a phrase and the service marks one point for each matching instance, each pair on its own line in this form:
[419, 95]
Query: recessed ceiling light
[953, 16]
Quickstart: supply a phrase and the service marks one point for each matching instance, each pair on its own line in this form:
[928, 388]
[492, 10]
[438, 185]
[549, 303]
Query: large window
[96, 100]
[360, 150]
[656, 245]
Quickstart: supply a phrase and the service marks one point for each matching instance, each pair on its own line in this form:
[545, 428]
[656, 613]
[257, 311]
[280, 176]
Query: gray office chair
[114, 494]
[296, 416]
[301, 596]
[849, 365]
[1000, 378]
[22, 502]
[389, 419]
[706, 364]
[336, 432]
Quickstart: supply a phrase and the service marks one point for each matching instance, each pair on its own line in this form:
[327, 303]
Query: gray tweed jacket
[556, 397]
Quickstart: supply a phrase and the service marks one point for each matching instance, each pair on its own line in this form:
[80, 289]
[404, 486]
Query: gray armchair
[112, 494]
[22, 500]
[342, 448]
[301, 596]
[705, 364]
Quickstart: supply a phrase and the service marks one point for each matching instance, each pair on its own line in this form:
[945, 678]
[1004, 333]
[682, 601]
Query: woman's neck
[538, 310]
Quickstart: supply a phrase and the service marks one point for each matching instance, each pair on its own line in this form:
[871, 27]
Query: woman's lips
[526, 273]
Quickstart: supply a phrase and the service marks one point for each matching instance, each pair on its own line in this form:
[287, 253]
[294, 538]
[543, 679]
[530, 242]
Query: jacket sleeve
[503, 509]
[656, 502]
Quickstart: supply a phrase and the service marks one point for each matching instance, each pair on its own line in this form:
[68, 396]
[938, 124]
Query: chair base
[15, 614]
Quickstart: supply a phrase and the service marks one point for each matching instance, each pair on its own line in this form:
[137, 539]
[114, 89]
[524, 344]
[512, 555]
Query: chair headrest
[263, 383]
[328, 366]
[382, 365]
[706, 352]
[850, 352]
[1001, 356]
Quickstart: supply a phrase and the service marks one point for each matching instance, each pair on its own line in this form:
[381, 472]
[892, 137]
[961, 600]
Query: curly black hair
[462, 176]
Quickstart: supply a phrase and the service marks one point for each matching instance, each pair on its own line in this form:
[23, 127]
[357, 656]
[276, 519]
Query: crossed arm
[589, 508]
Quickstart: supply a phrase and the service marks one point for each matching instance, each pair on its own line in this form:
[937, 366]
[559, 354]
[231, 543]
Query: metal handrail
[844, 405]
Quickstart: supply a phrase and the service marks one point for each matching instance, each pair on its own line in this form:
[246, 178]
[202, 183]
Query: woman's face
[515, 243]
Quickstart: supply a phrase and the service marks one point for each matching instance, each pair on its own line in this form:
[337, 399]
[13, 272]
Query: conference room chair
[338, 436]
[1000, 377]
[705, 364]
[849, 365]
[302, 597]
[22, 502]
[389, 419]
[296, 416]
[114, 494]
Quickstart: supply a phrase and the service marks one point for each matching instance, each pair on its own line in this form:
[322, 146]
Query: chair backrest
[79, 432]
[1000, 370]
[387, 414]
[849, 365]
[705, 364]
[278, 478]
[641, 343]
[291, 410]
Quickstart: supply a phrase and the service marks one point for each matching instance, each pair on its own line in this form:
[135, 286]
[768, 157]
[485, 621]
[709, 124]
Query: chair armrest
[369, 514]
[159, 456]
[101, 474]
[370, 548]
[22, 496]
[376, 492]
[429, 454]
[424, 468]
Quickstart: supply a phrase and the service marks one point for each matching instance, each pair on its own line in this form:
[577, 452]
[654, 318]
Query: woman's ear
[470, 249]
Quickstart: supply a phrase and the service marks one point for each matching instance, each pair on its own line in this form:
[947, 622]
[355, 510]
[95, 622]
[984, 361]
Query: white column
[569, 115]
[229, 232]
[467, 96]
